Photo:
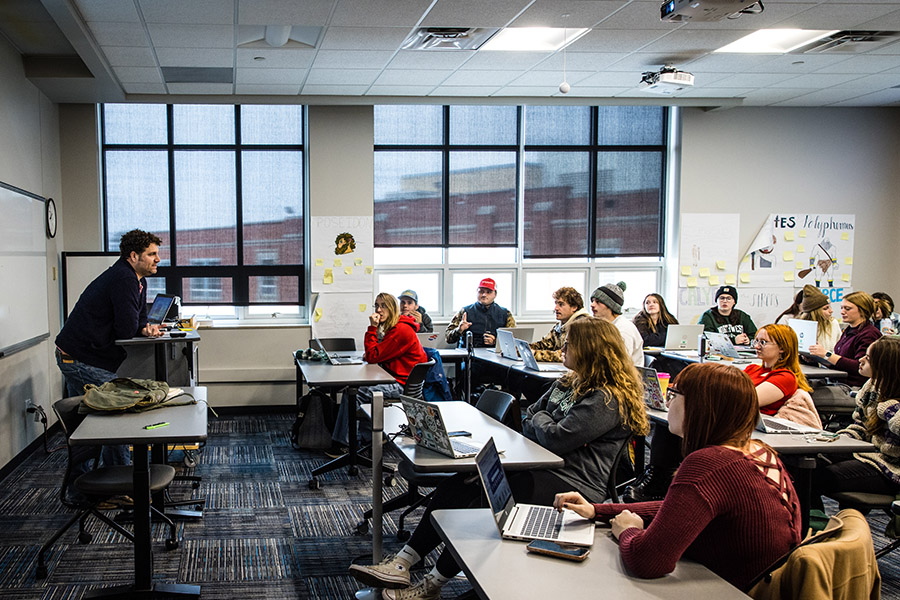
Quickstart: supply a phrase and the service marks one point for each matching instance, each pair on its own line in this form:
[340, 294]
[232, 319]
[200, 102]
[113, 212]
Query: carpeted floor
[264, 534]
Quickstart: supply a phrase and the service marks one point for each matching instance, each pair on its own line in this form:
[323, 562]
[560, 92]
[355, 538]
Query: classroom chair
[98, 485]
[612, 488]
[865, 502]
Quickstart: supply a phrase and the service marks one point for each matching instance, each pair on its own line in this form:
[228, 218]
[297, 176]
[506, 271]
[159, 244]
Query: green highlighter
[156, 425]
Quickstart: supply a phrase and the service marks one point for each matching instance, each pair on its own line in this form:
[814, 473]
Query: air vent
[448, 38]
[851, 42]
[198, 74]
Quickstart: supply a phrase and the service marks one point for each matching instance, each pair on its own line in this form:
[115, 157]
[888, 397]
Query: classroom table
[810, 371]
[324, 374]
[501, 569]
[185, 424]
[160, 345]
[512, 374]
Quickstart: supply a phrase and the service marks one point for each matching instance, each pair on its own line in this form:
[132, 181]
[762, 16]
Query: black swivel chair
[612, 489]
[98, 485]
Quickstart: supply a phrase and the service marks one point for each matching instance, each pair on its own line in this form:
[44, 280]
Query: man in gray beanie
[606, 304]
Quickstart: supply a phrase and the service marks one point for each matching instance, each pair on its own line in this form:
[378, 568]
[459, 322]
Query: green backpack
[129, 395]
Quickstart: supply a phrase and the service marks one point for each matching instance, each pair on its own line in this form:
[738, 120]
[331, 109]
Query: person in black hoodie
[409, 306]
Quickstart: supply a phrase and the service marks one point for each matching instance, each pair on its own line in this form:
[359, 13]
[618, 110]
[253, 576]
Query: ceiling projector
[667, 81]
[706, 10]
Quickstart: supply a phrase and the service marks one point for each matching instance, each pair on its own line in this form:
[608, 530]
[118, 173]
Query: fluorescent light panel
[775, 41]
[533, 39]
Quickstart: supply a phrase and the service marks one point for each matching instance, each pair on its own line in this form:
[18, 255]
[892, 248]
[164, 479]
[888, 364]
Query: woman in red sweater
[391, 342]
[779, 375]
[731, 506]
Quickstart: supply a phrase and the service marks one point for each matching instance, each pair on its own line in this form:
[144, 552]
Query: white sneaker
[391, 573]
[424, 590]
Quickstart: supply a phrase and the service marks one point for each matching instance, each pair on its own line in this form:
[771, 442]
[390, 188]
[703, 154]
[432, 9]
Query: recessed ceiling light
[775, 41]
[533, 39]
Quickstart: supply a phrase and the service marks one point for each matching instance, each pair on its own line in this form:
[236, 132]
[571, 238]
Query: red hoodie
[398, 351]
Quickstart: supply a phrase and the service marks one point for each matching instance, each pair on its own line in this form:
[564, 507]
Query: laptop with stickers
[428, 430]
[653, 396]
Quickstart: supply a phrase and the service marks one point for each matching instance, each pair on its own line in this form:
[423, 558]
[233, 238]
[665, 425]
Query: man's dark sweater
[112, 307]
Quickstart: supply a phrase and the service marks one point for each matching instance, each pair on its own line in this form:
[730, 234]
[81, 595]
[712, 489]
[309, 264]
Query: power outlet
[29, 403]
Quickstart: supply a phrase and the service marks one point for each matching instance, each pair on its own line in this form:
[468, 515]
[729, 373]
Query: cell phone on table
[565, 551]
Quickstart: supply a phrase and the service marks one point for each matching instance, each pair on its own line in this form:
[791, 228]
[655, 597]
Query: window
[222, 186]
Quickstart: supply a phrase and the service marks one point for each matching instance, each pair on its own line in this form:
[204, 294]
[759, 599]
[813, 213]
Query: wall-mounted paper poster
[709, 245]
[335, 243]
[342, 315]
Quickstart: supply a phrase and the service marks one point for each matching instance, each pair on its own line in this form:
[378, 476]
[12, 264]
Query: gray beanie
[612, 295]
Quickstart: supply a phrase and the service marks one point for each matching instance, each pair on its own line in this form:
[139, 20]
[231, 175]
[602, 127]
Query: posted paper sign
[709, 246]
[337, 244]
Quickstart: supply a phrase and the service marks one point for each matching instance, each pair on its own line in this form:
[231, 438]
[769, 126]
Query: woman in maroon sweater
[731, 506]
[857, 310]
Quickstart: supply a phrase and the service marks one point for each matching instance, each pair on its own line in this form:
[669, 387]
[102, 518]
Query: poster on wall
[709, 250]
[792, 250]
[341, 315]
[342, 254]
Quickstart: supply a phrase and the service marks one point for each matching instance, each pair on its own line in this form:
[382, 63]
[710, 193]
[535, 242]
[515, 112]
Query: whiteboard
[23, 268]
[79, 269]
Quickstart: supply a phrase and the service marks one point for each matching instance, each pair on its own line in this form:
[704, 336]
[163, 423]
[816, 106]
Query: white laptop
[527, 521]
[435, 339]
[683, 337]
[653, 396]
[428, 430]
[532, 364]
[522, 333]
[506, 341]
[339, 359]
[806, 333]
[719, 343]
[767, 424]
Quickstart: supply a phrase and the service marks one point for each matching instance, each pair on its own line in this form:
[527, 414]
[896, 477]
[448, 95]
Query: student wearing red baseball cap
[481, 318]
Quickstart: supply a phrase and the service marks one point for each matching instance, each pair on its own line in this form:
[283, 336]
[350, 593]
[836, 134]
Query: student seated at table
[875, 420]
[792, 311]
[391, 342]
[882, 317]
[653, 320]
[584, 418]
[481, 318]
[409, 306]
[815, 307]
[606, 303]
[731, 507]
[857, 309]
[776, 379]
[568, 308]
[889, 314]
[725, 318]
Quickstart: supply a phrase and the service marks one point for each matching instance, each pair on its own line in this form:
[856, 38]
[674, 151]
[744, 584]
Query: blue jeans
[341, 433]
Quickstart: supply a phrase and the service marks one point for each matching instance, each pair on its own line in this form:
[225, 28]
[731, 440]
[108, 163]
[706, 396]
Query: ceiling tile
[422, 59]
[799, 63]
[399, 90]
[257, 89]
[863, 65]
[751, 80]
[549, 78]
[889, 97]
[281, 12]
[888, 22]
[379, 13]
[505, 60]
[202, 12]
[638, 62]
[452, 91]
[775, 13]
[871, 83]
[477, 78]
[581, 91]
[334, 90]
[538, 91]
[119, 34]
[713, 92]
[108, 10]
[837, 15]
[271, 76]
[412, 77]
[695, 41]
[342, 77]
[358, 59]
[768, 96]
[195, 57]
[820, 98]
[637, 15]
[124, 56]
[816, 80]
[363, 38]
[581, 61]
[191, 36]
[201, 88]
[729, 63]
[614, 40]
[612, 79]
[290, 58]
[551, 13]
[473, 13]
[144, 88]
[138, 74]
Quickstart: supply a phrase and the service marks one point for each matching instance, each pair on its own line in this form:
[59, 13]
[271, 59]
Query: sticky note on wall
[801, 233]
[745, 277]
[337, 262]
[686, 271]
[789, 236]
[788, 256]
[328, 278]
[848, 260]
[369, 270]
[704, 271]
[729, 280]
[692, 282]
[788, 275]
[317, 314]
[357, 262]
[362, 308]
[845, 235]
[845, 277]
[319, 262]
[720, 265]
[713, 280]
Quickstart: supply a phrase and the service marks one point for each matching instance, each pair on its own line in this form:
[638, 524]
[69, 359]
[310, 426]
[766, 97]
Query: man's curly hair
[136, 240]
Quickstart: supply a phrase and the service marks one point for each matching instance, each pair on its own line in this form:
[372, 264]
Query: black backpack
[310, 430]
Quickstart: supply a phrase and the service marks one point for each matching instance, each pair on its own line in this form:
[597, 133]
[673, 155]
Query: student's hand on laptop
[816, 350]
[625, 520]
[742, 339]
[151, 331]
[576, 503]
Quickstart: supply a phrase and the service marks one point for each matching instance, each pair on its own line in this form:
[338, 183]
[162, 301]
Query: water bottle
[701, 346]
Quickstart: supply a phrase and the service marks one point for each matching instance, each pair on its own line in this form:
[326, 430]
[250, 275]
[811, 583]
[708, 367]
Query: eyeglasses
[760, 343]
[671, 393]
[378, 305]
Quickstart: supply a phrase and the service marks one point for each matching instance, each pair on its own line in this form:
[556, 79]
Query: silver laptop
[806, 333]
[428, 430]
[719, 343]
[506, 341]
[526, 521]
[532, 364]
[767, 424]
[435, 339]
[683, 337]
[522, 333]
[653, 396]
[338, 359]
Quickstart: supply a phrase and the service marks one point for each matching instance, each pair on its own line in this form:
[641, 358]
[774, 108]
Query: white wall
[29, 159]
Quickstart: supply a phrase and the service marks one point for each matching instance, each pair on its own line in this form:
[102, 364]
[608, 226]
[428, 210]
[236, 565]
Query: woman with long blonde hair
[857, 310]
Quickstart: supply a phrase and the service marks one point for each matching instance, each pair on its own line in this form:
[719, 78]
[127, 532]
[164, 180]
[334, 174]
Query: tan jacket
[548, 348]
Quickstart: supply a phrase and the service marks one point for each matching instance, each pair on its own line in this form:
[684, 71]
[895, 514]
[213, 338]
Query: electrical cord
[41, 416]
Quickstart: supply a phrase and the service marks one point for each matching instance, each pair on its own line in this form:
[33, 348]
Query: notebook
[436, 340]
[522, 333]
[653, 396]
[526, 521]
[806, 333]
[767, 424]
[683, 337]
[532, 364]
[162, 304]
[719, 343]
[427, 427]
[506, 341]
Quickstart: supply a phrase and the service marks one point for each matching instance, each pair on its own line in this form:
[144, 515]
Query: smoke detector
[667, 81]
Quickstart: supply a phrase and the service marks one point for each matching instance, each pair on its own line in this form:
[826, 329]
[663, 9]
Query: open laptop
[436, 340]
[653, 396]
[527, 521]
[506, 341]
[338, 359]
[522, 333]
[806, 333]
[767, 424]
[162, 305]
[532, 364]
[683, 337]
[427, 427]
[719, 343]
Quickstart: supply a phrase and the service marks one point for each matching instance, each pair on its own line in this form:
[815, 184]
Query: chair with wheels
[98, 485]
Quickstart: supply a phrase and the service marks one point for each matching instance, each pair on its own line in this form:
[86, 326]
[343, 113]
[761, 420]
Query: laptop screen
[494, 481]
[161, 305]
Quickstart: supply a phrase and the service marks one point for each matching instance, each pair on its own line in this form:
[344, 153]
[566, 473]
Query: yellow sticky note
[746, 259]
[801, 233]
[720, 265]
[319, 262]
[845, 235]
[357, 262]
[789, 236]
[692, 282]
[788, 275]
[713, 280]
[799, 264]
[686, 271]
[704, 271]
[348, 270]
[337, 262]
[729, 280]
[317, 314]
[369, 270]
[845, 277]
[848, 260]
[801, 248]
[362, 308]
[745, 277]
[788, 256]
[328, 278]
